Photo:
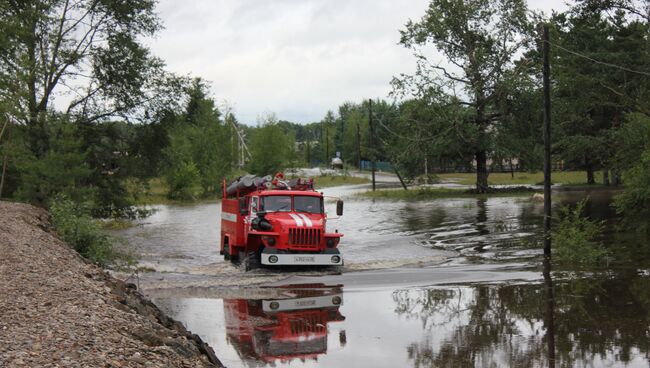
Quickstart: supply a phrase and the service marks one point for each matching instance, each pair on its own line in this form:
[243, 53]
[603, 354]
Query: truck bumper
[326, 301]
[301, 259]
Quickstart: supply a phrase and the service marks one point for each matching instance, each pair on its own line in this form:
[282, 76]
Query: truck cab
[279, 225]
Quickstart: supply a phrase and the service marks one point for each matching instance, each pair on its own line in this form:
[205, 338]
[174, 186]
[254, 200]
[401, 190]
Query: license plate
[304, 259]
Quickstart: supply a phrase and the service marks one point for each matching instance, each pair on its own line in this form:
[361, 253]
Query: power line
[598, 61]
[381, 122]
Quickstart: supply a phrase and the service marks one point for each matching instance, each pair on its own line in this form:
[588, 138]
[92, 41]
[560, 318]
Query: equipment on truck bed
[277, 222]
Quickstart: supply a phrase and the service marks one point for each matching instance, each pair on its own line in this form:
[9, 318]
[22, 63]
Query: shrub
[575, 238]
[75, 226]
[183, 180]
[634, 202]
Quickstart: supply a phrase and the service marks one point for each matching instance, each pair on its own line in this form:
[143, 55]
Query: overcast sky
[294, 58]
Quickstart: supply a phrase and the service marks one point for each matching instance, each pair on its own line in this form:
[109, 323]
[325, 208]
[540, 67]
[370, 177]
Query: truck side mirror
[243, 208]
[339, 207]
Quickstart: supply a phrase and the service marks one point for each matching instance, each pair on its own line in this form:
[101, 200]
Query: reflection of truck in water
[277, 222]
[284, 329]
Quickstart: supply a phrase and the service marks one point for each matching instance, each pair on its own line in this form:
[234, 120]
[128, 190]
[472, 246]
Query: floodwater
[447, 282]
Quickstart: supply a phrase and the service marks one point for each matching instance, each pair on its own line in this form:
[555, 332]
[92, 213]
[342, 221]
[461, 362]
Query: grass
[155, 193]
[434, 193]
[332, 181]
[522, 178]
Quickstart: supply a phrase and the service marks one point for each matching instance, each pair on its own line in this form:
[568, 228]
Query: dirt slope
[57, 310]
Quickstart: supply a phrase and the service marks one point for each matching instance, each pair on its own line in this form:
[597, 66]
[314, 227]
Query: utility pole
[358, 147]
[372, 145]
[308, 154]
[426, 170]
[5, 161]
[327, 145]
[547, 144]
[242, 148]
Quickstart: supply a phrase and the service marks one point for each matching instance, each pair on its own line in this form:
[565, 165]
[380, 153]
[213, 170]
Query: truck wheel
[252, 261]
[226, 253]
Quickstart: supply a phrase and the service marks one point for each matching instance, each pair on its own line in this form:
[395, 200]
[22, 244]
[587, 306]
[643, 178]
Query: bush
[75, 226]
[575, 238]
[634, 202]
[183, 180]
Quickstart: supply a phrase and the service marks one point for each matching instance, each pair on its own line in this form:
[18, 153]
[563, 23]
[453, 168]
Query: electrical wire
[598, 61]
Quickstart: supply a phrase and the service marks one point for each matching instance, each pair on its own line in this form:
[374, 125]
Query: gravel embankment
[57, 310]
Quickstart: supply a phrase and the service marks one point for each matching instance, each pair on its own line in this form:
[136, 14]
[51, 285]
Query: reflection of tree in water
[416, 220]
[504, 325]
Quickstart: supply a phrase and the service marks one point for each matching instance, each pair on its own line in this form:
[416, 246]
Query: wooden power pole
[5, 160]
[547, 144]
[358, 146]
[373, 153]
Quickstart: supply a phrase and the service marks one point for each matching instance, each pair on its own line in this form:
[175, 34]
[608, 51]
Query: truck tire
[226, 253]
[251, 261]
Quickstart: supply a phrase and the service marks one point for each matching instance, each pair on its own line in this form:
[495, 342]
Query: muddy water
[450, 282]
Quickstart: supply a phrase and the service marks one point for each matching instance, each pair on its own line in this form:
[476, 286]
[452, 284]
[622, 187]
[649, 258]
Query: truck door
[252, 213]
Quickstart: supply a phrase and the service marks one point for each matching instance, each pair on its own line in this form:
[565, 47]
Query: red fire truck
[277, 222]
[284, 329]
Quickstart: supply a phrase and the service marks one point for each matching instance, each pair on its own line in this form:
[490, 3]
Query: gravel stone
[59, 310]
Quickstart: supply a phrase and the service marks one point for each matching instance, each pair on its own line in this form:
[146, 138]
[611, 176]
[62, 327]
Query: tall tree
[478, 39]
[200, 143]
[270, 147]
[87, 50]
[597, 52]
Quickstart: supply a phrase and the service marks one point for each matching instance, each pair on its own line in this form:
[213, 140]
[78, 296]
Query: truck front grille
[304, 237]
[307, 323]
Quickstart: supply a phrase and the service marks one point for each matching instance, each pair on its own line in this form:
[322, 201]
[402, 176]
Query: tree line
[93, 114]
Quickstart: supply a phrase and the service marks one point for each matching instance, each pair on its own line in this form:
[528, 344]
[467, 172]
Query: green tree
[89, 50]
[270, 148]
[594, 84]
[479, 40]
[199, 141]
[633, 159]
[62, 169]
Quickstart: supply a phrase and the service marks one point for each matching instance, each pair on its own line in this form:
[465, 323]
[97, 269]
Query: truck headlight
[273, 259]
[336, 259]
[330, 242]
[270, 241]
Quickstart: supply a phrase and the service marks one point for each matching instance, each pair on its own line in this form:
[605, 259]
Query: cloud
[295, 58]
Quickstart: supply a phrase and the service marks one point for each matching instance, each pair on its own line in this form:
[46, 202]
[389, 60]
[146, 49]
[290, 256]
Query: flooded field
[447, 282]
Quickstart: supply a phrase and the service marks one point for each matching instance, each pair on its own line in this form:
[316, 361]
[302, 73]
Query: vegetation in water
[634, 202]
[576, 238]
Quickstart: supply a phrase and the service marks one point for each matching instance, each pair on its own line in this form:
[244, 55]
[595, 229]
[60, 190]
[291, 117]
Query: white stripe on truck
[297, 219]
[307, 220]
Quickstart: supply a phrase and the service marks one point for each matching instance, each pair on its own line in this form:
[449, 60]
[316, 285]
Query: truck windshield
[276, 203]
[309, 204]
